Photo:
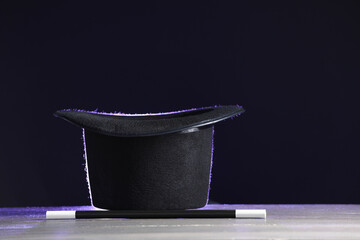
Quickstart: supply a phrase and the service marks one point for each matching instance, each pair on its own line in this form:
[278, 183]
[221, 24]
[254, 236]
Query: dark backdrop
[293, 65]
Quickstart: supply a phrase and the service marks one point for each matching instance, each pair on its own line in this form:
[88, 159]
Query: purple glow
[144, 114]
[135, 114]
[211, 165]
[26, 211]
[16, 220]
[87, 168]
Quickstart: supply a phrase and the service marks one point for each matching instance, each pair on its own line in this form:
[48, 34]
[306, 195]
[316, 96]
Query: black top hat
[149, 161]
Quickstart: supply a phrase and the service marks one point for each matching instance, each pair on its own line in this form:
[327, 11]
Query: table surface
[283, 222]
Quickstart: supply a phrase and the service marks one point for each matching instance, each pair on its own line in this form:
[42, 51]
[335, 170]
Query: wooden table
[283, 222]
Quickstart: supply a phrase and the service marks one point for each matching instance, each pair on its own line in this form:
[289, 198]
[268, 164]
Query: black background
[293, 65]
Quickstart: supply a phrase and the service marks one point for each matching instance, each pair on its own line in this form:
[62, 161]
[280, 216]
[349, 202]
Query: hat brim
[138, 125]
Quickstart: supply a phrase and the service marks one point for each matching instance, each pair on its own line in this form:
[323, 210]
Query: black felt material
[160, 172]
[148, 125]
[149, 162]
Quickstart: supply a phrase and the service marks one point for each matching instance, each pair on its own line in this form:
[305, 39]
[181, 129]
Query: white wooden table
[283, 222]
